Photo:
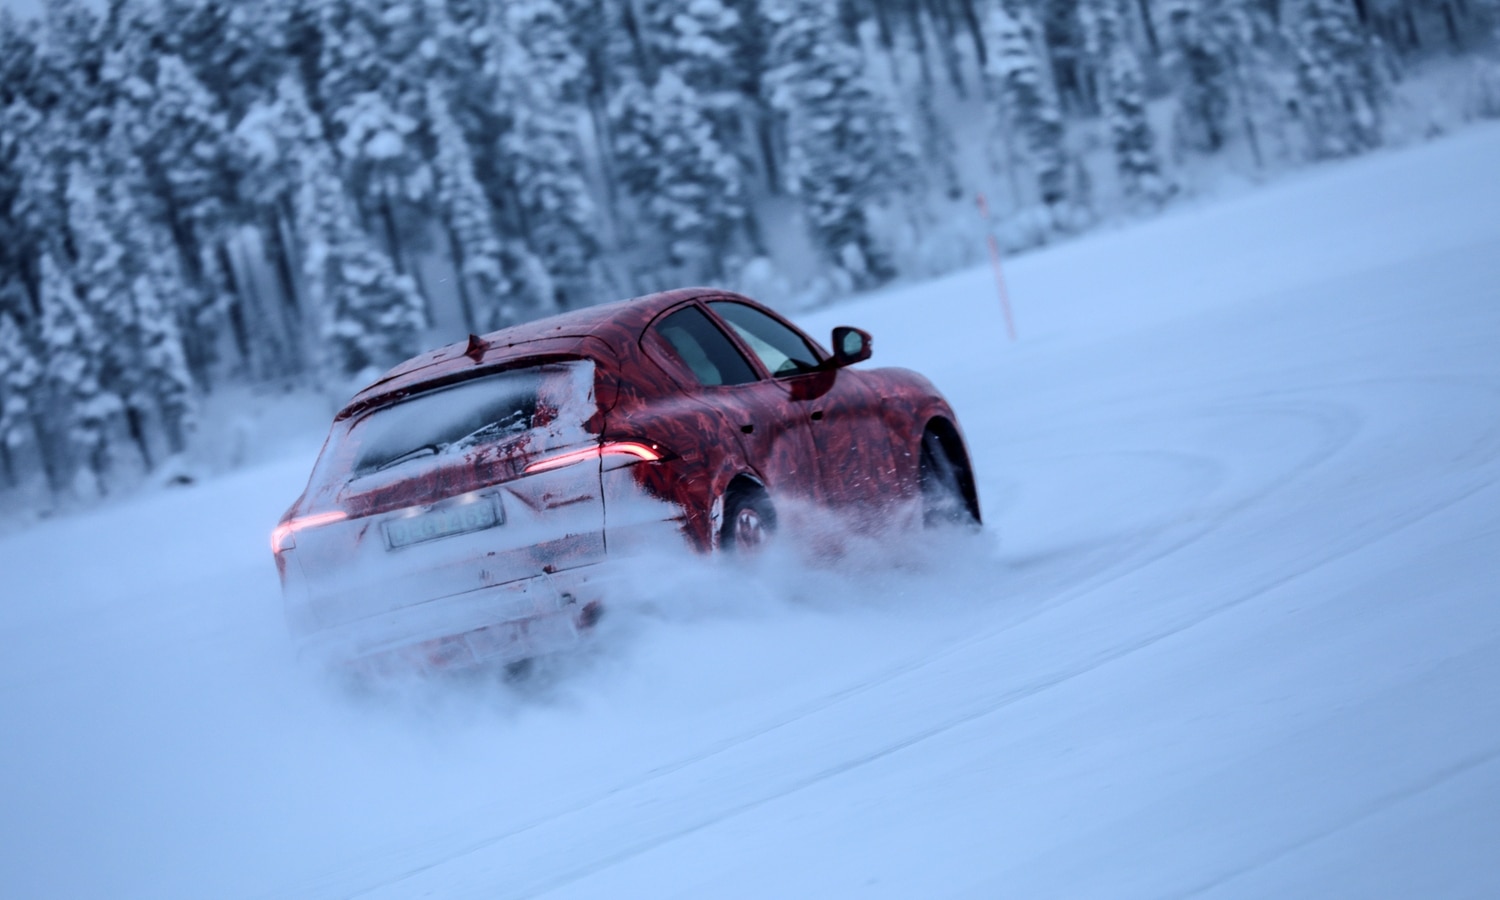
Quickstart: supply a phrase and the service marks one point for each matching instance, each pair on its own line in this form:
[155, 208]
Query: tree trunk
[976, 32]
[883, 25]
[6, 465]
[465, 301]
[1247, 114]
[919, 39]
[135, 422]
[237, 324]
[292, 308]
[1150, 28]
[947, 28]
[392, 241]
[1455, 37]
[51, 449]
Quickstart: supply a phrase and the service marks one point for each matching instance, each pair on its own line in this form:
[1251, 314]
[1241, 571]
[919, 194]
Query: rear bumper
[500, 624]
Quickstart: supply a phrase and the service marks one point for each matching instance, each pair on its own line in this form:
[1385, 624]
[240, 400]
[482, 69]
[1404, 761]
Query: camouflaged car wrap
[843, 438]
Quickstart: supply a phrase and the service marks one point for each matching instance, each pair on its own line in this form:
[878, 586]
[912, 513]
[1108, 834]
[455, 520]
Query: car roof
[578, 332]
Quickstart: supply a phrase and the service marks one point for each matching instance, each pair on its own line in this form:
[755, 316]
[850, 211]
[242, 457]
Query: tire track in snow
[1336, 424]
[1335, 427]
[1001, 702]
[1464, 766]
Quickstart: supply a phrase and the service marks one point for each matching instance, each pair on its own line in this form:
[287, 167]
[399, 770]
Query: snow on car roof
[554, 335]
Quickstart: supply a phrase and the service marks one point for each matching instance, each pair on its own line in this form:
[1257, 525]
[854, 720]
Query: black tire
[749, 521]
[943, 500]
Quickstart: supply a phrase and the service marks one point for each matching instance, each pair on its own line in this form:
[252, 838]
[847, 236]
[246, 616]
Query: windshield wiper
[487, 433]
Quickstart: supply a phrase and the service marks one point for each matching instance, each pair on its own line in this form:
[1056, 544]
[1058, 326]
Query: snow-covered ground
[1233, 629]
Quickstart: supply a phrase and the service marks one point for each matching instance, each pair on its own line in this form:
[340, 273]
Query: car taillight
[283, 538]
[643, 452]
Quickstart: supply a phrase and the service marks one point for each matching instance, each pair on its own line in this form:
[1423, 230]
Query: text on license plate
[441, 523]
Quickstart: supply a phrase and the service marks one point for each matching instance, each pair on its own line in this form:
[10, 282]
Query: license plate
[441, 523]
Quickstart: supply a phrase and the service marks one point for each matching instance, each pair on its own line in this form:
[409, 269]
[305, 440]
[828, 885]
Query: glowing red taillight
[281, 538]
[643, 452]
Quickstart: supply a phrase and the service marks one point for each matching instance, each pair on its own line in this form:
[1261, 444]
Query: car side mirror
[850, 345]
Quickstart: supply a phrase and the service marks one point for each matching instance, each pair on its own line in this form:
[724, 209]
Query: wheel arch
[952, 443]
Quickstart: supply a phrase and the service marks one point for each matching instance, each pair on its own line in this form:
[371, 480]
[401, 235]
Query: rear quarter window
[706, 351]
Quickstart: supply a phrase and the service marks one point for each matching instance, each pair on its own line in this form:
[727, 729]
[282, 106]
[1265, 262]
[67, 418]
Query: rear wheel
[942, 478]
[749, 521]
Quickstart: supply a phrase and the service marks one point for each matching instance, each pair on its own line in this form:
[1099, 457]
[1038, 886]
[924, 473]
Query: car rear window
[490, 409]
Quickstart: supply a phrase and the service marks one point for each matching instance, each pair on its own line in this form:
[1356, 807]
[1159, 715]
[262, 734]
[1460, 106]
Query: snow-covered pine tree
[374, 316]
[1134, 140]
[1342, 90]
[14, 241]
[673, 127]
[546, 28]
[1221, 67]
[845, 149]
[180, 133]
[375, 59]
[129, 285]
[687, 185]
[369, 316]
[1123, 101]
[81, 407]
[1015, 61]
[37, 149]
[164, 378]
[470, 66]
[376, 143]
[510, 284]
[161, 399]
[1102, 28]
[350, 60]
[100, 260]
[162, 387]
[264, 144]
[697, 41]
[104, 299]
[71, 54]
[465, 210]
[18, 55]
[547, 190]
[237, 50]
[1486, 87]
[1198, 63]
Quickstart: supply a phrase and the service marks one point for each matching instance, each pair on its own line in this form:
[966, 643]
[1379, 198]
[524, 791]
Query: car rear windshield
[490, 409]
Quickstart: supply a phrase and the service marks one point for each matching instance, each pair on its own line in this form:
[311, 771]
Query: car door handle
[817, 416]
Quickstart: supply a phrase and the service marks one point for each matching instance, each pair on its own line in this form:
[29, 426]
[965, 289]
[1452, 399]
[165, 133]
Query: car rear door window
[706, 350]
[784, 351]
[490, 409]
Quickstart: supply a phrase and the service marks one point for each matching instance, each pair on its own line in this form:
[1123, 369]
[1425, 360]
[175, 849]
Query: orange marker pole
[989, 228]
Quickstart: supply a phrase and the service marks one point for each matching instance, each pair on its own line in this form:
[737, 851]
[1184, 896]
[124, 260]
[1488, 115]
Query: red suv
[464, 505]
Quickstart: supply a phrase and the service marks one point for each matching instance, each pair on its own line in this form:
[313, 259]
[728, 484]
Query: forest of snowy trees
[196, 193]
